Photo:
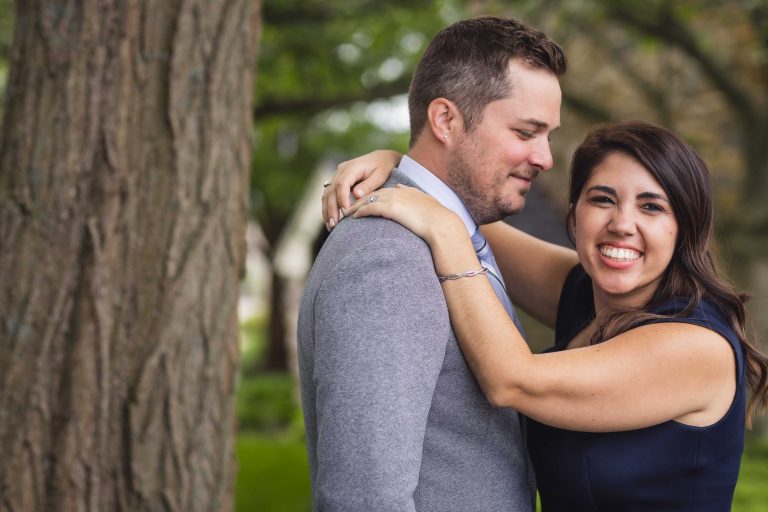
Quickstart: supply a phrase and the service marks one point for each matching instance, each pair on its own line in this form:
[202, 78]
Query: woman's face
[625, 232]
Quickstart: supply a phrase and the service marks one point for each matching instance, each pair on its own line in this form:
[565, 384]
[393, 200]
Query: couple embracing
[418, 389]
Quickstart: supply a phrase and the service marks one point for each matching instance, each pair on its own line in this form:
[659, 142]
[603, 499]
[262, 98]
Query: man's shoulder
[363, 235]
[374, 250]
[368, 268]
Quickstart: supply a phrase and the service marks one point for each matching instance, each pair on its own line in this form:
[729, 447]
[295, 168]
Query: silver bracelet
[468, 273]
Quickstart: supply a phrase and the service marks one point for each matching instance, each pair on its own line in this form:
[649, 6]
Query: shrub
[265, 403]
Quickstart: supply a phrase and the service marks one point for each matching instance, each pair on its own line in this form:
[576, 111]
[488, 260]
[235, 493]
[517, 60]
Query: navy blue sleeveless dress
[666, 467]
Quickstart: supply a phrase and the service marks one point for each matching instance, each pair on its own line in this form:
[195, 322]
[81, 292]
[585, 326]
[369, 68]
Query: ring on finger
[326, 183]
[372, 199]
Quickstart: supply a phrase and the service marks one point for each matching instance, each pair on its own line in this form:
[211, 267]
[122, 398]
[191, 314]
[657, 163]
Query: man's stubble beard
[484, 205]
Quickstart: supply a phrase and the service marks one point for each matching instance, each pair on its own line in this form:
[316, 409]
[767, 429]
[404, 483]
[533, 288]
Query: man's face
[492, 166]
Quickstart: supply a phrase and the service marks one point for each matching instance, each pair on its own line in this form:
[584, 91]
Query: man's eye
[525, 134]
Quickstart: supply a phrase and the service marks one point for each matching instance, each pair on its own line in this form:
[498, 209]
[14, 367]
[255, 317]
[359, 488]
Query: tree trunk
[276, 356]
[124, 164]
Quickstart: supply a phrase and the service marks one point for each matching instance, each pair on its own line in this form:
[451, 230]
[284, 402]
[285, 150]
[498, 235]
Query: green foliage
[252, 344]
[265, 403]
[320, 65]
[7, 17]
[334, 51]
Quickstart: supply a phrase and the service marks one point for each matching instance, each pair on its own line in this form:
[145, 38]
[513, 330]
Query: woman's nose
[623, 222]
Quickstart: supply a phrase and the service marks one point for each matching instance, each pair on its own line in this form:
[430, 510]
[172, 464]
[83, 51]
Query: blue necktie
[485, 255]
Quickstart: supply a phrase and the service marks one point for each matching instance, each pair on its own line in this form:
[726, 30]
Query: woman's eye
[653, 207]
[602, 200]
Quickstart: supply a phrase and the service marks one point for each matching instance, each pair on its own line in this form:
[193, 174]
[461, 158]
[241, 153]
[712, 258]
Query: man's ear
[444, 119]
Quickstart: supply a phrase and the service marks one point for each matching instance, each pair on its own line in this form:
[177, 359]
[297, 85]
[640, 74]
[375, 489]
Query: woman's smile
[619, 254]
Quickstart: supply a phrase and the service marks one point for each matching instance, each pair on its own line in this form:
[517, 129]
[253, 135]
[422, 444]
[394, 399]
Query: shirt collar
[435, 187]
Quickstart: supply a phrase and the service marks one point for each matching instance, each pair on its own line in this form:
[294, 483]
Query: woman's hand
[369, 172]
[415, 210]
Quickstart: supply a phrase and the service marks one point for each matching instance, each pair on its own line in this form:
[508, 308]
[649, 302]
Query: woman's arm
[533, 269]
[643, 377]
[640, 378]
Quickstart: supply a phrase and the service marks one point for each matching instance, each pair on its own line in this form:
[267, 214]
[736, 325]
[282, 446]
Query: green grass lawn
[752, 488]
[273, 475]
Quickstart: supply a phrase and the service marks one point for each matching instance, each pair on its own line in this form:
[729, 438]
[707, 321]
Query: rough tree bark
[124, 164]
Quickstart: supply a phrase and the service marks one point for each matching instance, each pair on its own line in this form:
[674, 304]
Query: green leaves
[322, 63]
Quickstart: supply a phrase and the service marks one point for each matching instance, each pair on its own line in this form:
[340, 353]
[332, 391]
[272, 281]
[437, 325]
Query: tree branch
[587, 109]
[282, 12]
[758, 16]
[311, 106]
[667, 27]
[618, 57]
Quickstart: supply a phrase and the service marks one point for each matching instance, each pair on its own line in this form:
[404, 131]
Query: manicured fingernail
[343, 211]
[332, 222]
[327, 227]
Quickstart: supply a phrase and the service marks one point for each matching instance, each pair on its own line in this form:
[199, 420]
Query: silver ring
[372, 199]
[326, 184]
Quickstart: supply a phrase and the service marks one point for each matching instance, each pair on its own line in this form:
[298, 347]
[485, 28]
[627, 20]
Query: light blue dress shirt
[436, 188]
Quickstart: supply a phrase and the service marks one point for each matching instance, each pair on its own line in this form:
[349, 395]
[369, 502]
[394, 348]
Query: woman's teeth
[618, 254]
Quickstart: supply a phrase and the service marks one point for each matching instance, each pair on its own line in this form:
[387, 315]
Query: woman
[640, 405]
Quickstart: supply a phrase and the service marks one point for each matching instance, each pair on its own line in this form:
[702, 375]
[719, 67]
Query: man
[395, 420]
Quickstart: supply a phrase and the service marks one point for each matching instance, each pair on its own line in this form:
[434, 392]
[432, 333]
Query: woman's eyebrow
[603, 188]
[643, 195]
[652, 195]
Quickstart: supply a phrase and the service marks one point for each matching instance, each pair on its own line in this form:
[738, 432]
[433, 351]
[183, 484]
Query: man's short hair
[467, 63]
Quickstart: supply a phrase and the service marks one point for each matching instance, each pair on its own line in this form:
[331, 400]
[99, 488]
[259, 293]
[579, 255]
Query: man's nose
[541, 156]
